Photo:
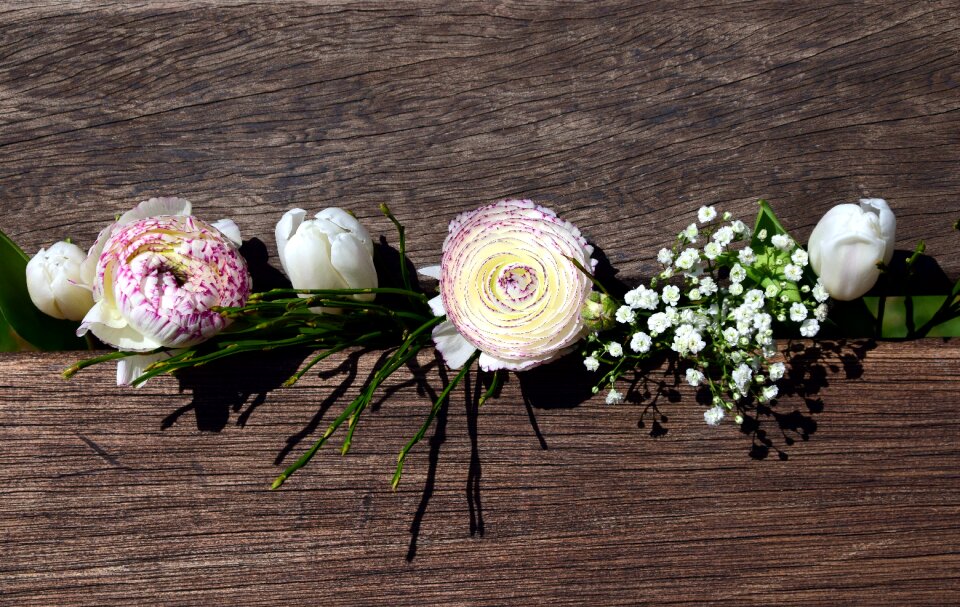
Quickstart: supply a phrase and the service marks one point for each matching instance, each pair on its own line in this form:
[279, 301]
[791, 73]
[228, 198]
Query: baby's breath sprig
[720, 295]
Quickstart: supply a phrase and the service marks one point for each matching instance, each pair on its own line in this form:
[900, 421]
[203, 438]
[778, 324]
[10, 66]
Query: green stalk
[313, 362]
[433, 414]
[402, 244]
[269, 295]
[304, 459]
[494, 384]
[83, 364]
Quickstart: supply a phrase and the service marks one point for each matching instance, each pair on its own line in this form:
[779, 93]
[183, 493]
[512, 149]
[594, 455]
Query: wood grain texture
[623, 116]
[100, 503]
[627, 114]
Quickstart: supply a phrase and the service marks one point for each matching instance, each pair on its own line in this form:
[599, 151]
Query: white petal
[132, 367]
[353, 262]
[436, 305]
[156, 206]
[489, 362]
[39, 286]
[888, 223]
[286, 228]
[112, 329]
[73, 300]
[229, 228]
[431, 271]
[455, 349]
[345, 221]
[307, 260]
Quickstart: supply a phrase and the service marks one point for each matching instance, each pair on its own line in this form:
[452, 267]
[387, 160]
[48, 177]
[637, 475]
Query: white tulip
[848, 243]
[54, 283]
[331, 251]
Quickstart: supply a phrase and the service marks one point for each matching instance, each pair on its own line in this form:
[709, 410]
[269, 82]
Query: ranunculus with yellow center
[157, 273]
[509, 288]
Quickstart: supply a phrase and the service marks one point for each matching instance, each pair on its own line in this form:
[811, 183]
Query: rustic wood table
[624, 117]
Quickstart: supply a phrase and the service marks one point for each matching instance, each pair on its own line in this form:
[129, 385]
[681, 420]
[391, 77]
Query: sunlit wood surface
[624, 117]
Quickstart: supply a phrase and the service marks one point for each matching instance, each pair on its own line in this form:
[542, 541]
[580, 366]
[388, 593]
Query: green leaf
[8, 343]
[903, 317]
[766, 220]
[31, 324]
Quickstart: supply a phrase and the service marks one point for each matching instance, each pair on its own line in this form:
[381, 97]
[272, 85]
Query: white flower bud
[55, 284]
[848, 243]
[331, 251]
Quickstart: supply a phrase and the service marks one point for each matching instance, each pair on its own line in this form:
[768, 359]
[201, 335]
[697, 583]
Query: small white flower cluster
[717, 309]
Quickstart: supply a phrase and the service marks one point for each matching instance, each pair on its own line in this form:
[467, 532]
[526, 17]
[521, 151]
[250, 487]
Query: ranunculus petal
[508, 284]
[132, 367]
[158, 280]
[230, 229]
[168, 205]
[431, 271]
[436, 306]
[455, 349]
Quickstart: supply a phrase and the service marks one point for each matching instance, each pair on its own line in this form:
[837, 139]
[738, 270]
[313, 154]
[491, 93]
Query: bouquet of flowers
[515, 289]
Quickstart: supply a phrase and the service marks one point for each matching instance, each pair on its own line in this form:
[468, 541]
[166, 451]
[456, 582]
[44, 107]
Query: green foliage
[19, 313]
[766, 220]
[8, 343]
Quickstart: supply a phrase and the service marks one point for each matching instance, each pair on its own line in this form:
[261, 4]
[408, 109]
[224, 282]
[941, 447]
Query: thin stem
[495, 382]
[275, 293]
[326, 353]
[402, 244]
[304, 459]
[433, 414]
[88, 362]
[589, 275]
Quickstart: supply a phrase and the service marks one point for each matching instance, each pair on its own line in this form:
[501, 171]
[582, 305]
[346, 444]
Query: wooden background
[623, 116]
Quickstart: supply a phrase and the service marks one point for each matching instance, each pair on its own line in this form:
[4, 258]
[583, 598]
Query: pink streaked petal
[229, 228]
[155, 207]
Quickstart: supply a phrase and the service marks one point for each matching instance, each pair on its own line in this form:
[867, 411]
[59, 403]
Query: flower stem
[83, 364]
[277, 293]
[495, 382]
[402, 246]
[433, 414]
[360, 401]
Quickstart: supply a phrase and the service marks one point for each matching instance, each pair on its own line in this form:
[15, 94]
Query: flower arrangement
[516, 289]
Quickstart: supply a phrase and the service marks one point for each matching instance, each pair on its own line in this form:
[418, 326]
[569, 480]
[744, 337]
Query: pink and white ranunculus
[156, 275]
[508, 287]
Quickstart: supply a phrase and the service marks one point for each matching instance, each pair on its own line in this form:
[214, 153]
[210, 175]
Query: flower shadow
[226, 386]
[810, 368]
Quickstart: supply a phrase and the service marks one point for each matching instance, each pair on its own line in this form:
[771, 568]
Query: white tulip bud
[54, 284]
[848, 243]
[331, 251]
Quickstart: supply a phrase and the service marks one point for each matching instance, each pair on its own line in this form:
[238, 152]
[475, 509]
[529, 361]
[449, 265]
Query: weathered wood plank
[99, 503]
[617, 113]
[624, 117]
